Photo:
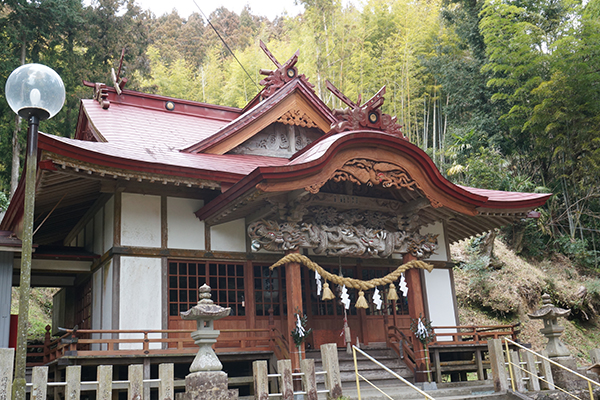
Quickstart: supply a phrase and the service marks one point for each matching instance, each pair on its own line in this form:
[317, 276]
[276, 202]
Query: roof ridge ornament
[100, 89]
[275, 79]
[369, 115]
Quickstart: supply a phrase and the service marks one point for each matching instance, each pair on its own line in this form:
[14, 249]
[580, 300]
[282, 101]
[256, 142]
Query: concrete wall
[230, 236]
[140, 296]
[185, 231]
[440, 298]
[140, 220]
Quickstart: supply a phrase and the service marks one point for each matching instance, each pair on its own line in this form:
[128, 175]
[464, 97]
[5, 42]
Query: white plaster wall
[185, 231]
[440, 300]
[80, 237]
[437, 229]
[98, 236]
[109, 223]
[89, 236]
[230, 236]
[97, 280]
[140, 220]
[107, 299]
[140, 297]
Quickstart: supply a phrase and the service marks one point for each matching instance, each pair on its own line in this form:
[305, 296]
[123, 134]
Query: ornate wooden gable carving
[361, 171]
[367, 116]
[283, 74]
[297, 118]
[279, 140]
[333, 232]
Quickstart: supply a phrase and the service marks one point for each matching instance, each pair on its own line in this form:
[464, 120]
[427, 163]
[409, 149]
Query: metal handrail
[354, 350]
[511, 364]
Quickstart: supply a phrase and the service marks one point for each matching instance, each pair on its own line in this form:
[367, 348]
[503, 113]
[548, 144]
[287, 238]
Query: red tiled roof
[131, 126]
[315, 156]
[499, 197]
[151, 157]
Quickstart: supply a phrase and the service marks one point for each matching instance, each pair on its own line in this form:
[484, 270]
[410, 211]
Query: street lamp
[36, 93]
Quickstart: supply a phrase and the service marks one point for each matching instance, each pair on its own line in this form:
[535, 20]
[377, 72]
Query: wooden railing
[467, 334]
[111, 342]
[280, 345]
[459, 338]
[403, 346]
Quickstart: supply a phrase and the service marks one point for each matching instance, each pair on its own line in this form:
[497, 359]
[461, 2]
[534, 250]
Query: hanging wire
[225, 44]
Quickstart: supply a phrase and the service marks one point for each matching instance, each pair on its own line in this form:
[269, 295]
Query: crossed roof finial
[367, 116]
[283, 74]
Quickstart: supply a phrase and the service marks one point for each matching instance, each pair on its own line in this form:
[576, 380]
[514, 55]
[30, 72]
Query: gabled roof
[294, 97]
[373, 158]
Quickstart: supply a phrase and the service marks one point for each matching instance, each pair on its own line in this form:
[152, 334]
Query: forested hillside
[502, 94]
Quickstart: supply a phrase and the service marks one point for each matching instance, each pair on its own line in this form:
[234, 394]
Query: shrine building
[156, 196]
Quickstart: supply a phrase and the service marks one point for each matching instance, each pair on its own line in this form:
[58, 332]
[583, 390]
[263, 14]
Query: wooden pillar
[416, 309]
[293, 280]
[249, 299]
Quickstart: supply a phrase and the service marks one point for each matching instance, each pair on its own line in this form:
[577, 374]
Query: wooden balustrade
[466, 334]
[111, 342]
[449, 339]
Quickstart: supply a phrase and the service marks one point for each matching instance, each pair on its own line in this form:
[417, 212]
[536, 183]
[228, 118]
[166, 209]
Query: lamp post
[36, 93]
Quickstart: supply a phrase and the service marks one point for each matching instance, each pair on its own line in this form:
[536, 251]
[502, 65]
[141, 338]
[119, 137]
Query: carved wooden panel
[279, 140]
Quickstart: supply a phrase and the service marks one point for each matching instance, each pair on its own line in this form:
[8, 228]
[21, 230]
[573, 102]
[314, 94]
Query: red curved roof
[315, 157]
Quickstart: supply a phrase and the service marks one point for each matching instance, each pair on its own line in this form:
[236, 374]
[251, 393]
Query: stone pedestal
[210, 385]
[206, 381]
[565, 379]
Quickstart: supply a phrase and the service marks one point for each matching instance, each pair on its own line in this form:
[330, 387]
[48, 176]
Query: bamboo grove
[502, 94]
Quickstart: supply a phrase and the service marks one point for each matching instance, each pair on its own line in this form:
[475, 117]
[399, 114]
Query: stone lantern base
[207, 385]
[565, 379]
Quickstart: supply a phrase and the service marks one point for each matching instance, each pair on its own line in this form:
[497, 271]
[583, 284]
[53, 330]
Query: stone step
[398, 391]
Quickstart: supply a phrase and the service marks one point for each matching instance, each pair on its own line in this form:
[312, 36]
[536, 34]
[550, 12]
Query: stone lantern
[549, 314]
[206, 380]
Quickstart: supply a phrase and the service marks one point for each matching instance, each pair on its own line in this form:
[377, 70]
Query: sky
[268, 8]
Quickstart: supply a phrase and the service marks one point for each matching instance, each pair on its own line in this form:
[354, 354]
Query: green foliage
[300, 333]
[577, 250]
[422, 329]
[3, 201]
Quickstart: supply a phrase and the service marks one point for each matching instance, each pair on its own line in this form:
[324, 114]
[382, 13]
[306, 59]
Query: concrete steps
[393, 387]
[465, 390]
[366, 367]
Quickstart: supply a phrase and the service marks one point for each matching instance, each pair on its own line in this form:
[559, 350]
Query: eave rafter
[71, 166]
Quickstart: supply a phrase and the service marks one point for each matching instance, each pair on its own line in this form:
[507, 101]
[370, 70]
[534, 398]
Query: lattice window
[270, 290]
[225, 279]
[83, 306]
[401, 303]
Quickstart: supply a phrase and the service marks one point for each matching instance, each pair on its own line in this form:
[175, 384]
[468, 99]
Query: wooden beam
[89, 215]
